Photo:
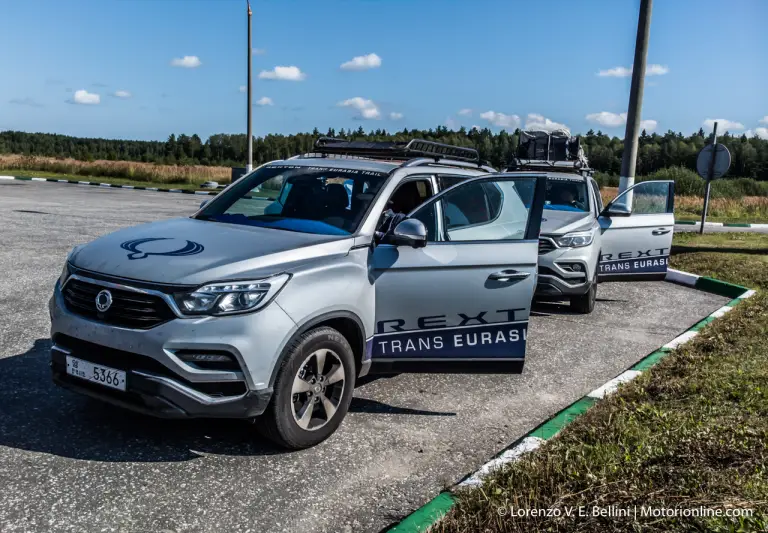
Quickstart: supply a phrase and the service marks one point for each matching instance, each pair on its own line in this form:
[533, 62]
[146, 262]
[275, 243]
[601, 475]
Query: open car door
[454, 281]
[637, 229]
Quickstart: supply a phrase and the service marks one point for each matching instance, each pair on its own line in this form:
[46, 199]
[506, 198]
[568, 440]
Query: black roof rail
[396, 149]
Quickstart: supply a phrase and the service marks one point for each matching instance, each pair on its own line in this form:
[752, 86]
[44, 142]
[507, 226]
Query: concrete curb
[720, 224]
[110, 185]
[434, 510]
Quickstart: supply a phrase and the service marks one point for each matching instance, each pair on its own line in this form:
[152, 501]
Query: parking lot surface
[68, 463]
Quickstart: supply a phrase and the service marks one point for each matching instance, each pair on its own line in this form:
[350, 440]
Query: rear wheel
[585, 303]
[312, 391]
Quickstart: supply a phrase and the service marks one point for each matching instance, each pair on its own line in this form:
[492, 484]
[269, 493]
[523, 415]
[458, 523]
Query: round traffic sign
[722, 161]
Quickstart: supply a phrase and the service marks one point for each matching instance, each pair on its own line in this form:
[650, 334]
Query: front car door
[461, 303]
[637, 229]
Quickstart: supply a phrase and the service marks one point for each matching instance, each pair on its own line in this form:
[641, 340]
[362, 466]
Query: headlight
[64, 274]
[232, 297]
[575, 240]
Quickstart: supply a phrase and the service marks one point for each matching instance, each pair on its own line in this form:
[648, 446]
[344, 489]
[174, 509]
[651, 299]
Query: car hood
[561, 222]
[187, 251]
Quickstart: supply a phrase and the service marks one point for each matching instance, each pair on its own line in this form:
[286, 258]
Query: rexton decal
[502, 340]
[441, 321]
[639, 262]
[191, 248]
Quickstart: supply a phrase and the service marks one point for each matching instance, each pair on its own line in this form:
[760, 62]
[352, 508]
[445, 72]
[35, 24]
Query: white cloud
[624, 72]
[761, 133]
[395, 115]
[362, 62]
[466, 112]
[264, 100]
[723, 124]
[186, 62]
[764, 120]
[283, 73]
[656, 70]
[500, 119]
[84, 97]
[538, 122]
[615, 120]
[451, 124]
[259, 51]
[122, 94]
[368, 110]
[243, 88]
[608, 119]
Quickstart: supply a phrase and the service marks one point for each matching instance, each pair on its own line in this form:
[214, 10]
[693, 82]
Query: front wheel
[585, 303]
[312, 391]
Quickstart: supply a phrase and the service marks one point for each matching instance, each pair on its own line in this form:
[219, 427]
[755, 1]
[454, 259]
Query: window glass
[482, 211]
[646, 198]
[307, 199]
[449, 181]
[566, 195]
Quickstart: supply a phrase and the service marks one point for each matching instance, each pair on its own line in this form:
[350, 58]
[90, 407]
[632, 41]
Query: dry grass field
[145, 172]
[746, 209]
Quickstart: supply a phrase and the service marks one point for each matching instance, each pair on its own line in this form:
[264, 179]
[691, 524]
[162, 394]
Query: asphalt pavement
[68, 463]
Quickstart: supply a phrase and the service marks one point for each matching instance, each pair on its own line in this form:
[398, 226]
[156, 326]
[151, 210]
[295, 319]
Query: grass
[146, 173]
[691, 432]
[743, 210]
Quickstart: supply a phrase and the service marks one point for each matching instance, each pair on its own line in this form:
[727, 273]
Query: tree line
[657, 151]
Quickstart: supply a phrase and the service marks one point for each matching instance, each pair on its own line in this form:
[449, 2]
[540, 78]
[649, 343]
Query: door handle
[508, 275]
[660, 231]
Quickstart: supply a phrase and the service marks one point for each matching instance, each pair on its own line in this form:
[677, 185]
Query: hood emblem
[103, 301]
[191, 248]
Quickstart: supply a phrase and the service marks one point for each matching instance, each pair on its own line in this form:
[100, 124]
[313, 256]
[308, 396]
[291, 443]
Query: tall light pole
[634, 113]
[249, 165]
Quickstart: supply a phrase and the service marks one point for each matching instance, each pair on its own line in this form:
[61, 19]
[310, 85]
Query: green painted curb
[686, 222]
[425, 516]
[554, 425]
[735, 225]
[721, 288]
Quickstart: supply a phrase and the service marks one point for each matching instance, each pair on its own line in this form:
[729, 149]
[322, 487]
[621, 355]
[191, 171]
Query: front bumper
[558, 276]
[150, 393]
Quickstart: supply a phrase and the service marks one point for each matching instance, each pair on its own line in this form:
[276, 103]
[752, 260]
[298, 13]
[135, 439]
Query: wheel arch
[345, 322]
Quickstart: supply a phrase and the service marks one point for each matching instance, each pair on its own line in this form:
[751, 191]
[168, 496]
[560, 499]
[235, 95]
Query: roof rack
[396, 150]
[577, 165]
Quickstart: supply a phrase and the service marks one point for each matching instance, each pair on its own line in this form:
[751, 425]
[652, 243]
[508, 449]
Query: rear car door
[637, 229]
[461, 303]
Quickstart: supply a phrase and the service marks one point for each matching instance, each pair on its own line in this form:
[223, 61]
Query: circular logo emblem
[190, 248]
[103, 300]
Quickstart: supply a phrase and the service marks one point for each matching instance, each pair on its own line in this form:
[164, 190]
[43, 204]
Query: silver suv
[583, 242]
[300, 278]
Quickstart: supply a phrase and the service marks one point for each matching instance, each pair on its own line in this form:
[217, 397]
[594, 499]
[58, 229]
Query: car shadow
[36, 415]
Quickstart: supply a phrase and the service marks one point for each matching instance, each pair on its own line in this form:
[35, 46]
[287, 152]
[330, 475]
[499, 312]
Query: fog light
[576, 267]
[192, 357]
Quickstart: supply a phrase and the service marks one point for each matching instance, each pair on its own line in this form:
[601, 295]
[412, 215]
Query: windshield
[307, 199]
[566, 195]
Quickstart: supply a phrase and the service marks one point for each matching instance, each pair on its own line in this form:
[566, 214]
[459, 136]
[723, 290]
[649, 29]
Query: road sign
[722, 161]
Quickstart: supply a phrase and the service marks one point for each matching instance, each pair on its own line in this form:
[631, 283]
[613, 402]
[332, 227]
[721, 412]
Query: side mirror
[617, 210]
[203, 203]
[409, 232]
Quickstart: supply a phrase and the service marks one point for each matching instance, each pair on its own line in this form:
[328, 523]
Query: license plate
[103, 375]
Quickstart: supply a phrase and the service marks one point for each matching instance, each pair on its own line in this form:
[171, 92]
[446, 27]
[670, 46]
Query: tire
[296, 417]
[585, 303]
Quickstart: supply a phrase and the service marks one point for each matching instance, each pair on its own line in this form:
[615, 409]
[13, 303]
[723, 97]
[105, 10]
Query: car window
[307, 199]
[646, 198]
[566, 195]
[449, 181]
[479, 211]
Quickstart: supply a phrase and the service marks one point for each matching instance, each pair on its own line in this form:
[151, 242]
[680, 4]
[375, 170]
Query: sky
[143, 69]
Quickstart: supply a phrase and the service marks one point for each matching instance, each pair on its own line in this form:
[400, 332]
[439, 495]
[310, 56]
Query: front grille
[129, 309]
[545, 245]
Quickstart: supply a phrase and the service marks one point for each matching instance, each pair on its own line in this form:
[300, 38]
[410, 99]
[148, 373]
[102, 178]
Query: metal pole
[710, 177]
[634, 113]
[249, 165]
